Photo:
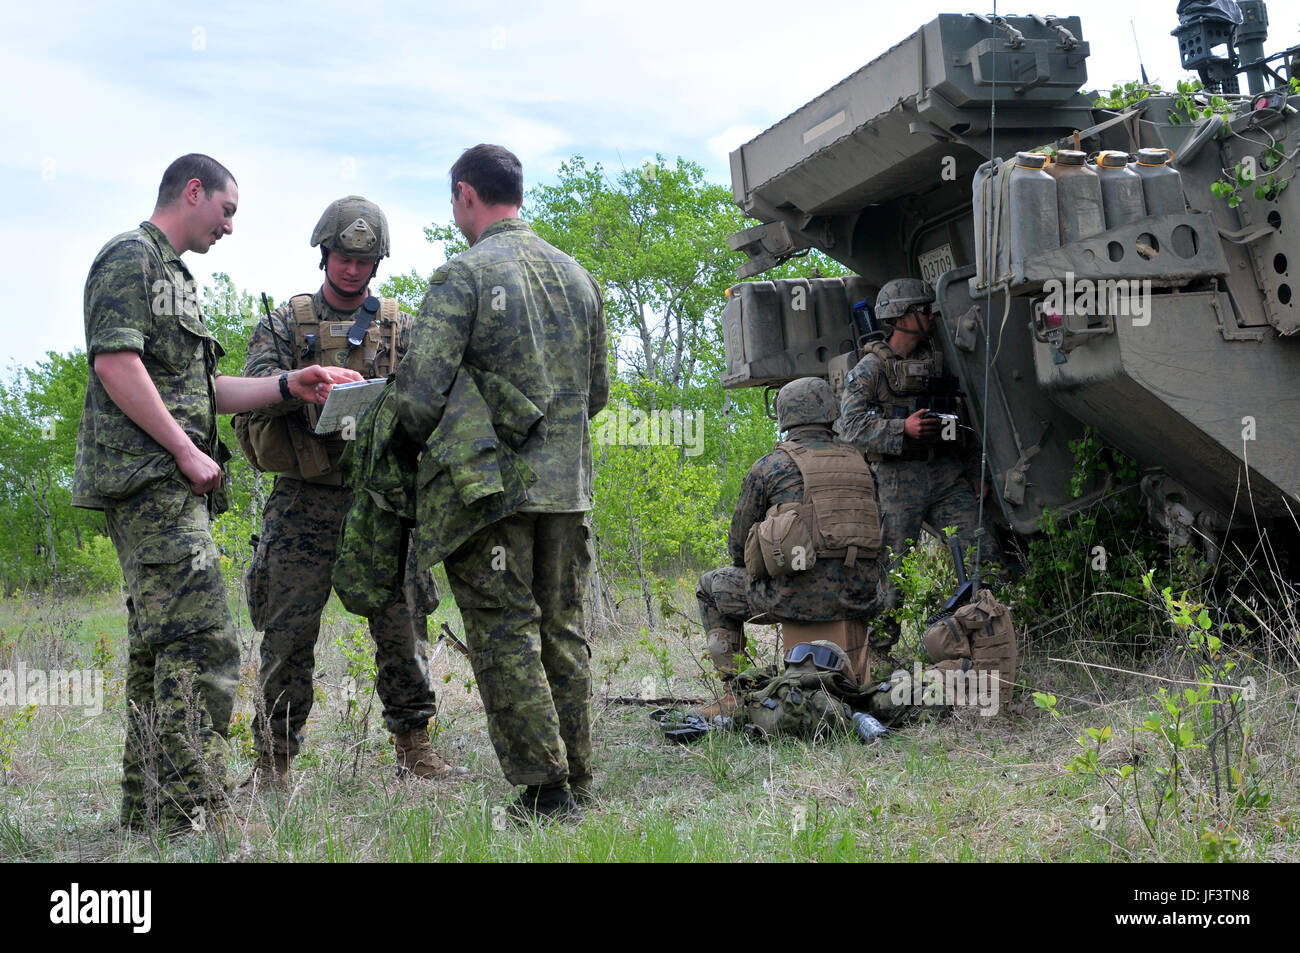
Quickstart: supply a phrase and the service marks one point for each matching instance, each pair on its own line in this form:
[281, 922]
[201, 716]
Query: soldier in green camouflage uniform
[516, 306]
[301, 520]
[922, 474]
[829, 589]
[149, 457]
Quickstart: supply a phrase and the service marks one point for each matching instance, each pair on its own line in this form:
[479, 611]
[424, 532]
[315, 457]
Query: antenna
[1145, 81]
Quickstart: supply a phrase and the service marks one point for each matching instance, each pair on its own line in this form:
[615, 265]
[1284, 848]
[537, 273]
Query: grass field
[955, 786]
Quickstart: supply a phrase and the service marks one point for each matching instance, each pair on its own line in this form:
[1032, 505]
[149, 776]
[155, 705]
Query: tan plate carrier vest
[287, 443]
[838, 518]
[905, 384]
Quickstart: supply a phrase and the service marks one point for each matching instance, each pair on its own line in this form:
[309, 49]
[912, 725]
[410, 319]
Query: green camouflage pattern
[514, 305]
[826, 590]
[470, 474]
[140, 297]
[808, 400]
[300, 533]
[895, 297]
[353, 226]
[517, 307]
[519, 586]
[801, 702]
[381, 469]
[182, 667]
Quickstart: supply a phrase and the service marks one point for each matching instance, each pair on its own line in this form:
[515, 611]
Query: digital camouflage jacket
[140, 297]
[518, 307]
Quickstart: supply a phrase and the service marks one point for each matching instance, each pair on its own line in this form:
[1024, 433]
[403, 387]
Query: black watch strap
[284, 387]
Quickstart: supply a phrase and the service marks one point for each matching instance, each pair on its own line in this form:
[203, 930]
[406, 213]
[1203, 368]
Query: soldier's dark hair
[495, 173]
[206, 169]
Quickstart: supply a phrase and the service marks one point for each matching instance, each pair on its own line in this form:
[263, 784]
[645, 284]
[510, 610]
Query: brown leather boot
[724, 706]
[270, 770]
[416, 757]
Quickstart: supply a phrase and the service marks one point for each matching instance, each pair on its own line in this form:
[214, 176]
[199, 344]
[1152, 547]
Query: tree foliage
[40, 409]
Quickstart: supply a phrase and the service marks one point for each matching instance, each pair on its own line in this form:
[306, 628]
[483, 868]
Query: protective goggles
[821, 656]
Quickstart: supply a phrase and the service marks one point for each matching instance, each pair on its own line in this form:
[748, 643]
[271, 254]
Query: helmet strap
[324, 257]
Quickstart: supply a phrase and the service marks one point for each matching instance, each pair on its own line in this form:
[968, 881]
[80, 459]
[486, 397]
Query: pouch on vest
[782, 543]
[280, 445]
[265, 442]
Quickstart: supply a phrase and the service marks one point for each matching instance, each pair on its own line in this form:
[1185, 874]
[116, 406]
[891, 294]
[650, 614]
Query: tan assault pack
[980, 637]
[287, 443]
[838, 518]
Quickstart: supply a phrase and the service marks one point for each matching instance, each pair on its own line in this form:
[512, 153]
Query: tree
[40, 410]
[655, 238]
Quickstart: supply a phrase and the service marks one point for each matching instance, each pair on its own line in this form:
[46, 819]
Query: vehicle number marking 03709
[935, 263]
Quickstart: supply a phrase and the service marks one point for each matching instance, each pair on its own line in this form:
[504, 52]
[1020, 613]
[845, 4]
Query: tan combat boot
[416, 757]
[723, 707]
[269, 771]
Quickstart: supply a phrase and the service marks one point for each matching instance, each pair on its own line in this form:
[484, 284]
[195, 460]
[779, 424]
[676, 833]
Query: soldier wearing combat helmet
[289, 581]
[925, 471]
[798, 552]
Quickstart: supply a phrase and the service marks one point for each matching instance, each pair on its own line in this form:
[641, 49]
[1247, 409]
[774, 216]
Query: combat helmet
[898, 295]
[808, 400]
[353, 226]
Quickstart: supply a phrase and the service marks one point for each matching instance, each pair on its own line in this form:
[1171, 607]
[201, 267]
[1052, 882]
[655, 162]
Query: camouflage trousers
[519, 585]
[726, 600]
[936, 492]
[299, 543]
[183, 658]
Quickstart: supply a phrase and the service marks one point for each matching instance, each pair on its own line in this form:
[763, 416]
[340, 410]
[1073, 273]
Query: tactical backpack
[802, 702]
[979, 636]
[838, 518]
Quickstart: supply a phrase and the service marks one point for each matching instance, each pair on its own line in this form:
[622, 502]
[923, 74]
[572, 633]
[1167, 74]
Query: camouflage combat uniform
[516, 306]
[828, 589]
[915, 481]
[183, 664]
[297, 550]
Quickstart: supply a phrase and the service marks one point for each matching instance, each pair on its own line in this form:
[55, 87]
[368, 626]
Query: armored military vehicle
[1092, 290]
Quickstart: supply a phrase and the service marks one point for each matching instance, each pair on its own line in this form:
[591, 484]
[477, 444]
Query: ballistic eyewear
[822, 656]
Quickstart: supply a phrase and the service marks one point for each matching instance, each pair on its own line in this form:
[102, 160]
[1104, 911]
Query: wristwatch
[284, 387]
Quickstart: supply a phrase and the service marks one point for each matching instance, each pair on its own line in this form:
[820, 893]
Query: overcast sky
[306, 102]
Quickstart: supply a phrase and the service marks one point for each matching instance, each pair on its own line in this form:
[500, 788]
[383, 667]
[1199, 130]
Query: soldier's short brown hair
[206, 169]
[495, 173]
